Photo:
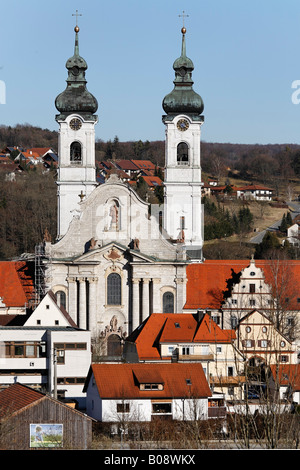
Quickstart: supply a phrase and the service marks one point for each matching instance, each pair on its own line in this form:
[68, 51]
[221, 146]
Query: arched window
[182, 153]
[61, 298]
[114, 289]
[75, 152]
[168, 302]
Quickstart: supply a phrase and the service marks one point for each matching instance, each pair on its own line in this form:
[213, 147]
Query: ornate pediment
[114, 254]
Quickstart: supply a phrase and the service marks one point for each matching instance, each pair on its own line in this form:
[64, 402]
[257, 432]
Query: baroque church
[113, 262]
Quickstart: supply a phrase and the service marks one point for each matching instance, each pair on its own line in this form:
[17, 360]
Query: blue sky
[246, 57]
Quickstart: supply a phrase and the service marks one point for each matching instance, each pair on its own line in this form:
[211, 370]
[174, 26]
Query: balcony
[195, 357]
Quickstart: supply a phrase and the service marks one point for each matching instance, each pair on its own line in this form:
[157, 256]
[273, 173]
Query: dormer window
[148, 380]
[151, 386]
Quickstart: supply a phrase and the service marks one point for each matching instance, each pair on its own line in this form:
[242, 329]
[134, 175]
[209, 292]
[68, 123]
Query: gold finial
[183, 29]
[76, 29]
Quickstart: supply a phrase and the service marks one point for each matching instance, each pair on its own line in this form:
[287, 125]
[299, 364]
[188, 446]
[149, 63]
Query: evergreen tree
[283, 226]
[289, 219]
[268, 246]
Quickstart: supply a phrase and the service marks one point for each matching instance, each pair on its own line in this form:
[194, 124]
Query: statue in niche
[114, 216]
[113, 328]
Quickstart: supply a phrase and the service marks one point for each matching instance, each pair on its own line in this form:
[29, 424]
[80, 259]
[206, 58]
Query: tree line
[221, 224]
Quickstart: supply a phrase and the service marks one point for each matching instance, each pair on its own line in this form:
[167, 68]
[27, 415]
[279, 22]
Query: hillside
[24, 219]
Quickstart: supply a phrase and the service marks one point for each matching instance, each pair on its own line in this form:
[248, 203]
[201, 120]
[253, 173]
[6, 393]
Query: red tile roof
[152, 181]
[16, 283]
[17, 397]
[254, 187]
[40, 151]
[144, 164]
[173, 328]
[287, 374]
[123, 380]
[126, 164]
[207, 281]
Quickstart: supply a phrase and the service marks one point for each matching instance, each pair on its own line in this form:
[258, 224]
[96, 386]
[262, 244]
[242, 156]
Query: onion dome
[183, 99]
[76, 98]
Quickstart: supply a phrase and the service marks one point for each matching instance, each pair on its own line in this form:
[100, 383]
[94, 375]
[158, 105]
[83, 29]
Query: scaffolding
[39, 272]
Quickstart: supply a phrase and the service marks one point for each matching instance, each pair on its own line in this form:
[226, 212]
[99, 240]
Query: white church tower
[76, 143]
[183, 120]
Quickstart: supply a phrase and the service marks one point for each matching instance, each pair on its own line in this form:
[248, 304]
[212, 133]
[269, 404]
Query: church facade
[112, 264]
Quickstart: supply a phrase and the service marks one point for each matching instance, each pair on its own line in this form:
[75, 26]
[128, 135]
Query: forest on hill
[273, 163]
[28, 206]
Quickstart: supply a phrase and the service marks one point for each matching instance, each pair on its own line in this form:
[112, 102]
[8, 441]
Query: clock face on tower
[75, 124]
[182, 125]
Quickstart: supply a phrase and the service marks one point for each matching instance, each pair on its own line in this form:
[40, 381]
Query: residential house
[293, 234]
[240, 286]
[187, 338]
[249, 192]
[206, 189]
[128, 166]
[29, 157]
[119, 393]
[255, 192]
[261, 343]
[224, 191]
[4, 159]
[31, 419]
[285, 379]
[145, 165]
[105, 169]
[16, 287]
[45, 350]
[152, 182]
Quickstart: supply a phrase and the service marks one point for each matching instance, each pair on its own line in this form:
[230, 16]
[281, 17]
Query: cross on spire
[183, 16]
[76, 14]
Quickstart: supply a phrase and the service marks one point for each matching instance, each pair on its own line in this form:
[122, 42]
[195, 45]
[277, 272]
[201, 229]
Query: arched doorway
[114, 345]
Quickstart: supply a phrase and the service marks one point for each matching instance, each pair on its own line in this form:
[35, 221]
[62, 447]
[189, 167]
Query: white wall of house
[47, 314]
[31, 359]
[106, 410]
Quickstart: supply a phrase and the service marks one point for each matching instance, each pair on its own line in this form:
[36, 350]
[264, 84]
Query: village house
[261, 343]
[285, 379]
[16, 287]
[45, 350]
[186, 338]
[146, 167]
[248, 192]
[128, 166]
[121, 393]
[31, 419]
[152, 182]
[240, 286]
[255, 192]
[293, 234]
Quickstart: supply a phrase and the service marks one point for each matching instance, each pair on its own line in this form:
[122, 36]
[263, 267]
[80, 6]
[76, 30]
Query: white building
[183, 121]
[119, 393]
[47, 352]
[112, 263]
[255, 192]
